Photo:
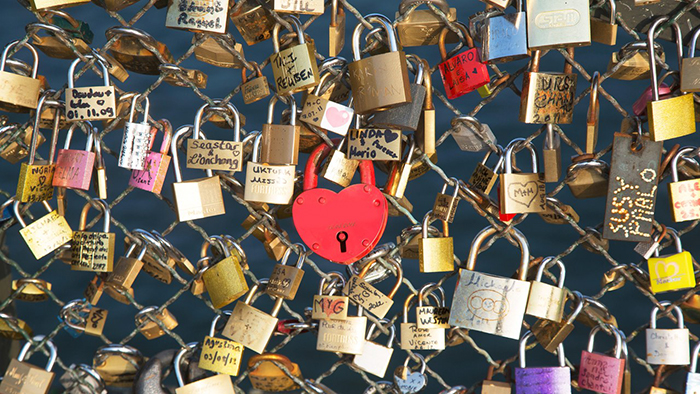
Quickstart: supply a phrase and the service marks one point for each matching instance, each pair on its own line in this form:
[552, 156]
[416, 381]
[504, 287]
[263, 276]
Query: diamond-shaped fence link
[172, 72]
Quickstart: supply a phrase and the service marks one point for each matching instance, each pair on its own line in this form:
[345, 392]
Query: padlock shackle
[392, 40]
[78, 305]
[34, 27]
[391, 328]
[681, 153]
[694, 358]
[62, 14]
[441, 4]
[88, 56]
[100, 205]
[90, 135]
[142, 315]
[523, 344]
[44, 100]
[428, 219]
[300, 260]
[693, 43]
[399, 275]
[676, 239]
[655, 314]
[431, 288]
[5, 53]
[593, 105]
[18, 214]
[615, 333]
[455, 194]
[336, 278]
[167, 130]
[271, 357]
[489, 231]
[550, 262]
[580, 304]
[53, 353]
[411, 299]
[336, 9]
[146, 108]
[253, 289]
[256, 70]
[182, 131]
[228, 107]
[468, 40]
[292, 105]
[313, 167]
[613, 11]
[151, 241]
[325, 76]
[420, 358]
[132, 32]
[417, 67]
[652, 60]
[298, 30]
[212, 329]
[511, 151]
[177, 361]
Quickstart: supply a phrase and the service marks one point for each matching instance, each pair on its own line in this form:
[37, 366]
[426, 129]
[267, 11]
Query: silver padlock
[375, 358]
[504, 37]
[692, 382]
[82, 379]
[136, 138]
[668, 346]
[547, 301]
[471, 135]
[558, 24]
[405, 116]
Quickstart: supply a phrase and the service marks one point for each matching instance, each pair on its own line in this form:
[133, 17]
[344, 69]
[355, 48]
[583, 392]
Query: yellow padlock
[673, 271]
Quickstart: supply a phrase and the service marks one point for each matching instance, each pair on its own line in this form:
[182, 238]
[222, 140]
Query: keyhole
[342, 238]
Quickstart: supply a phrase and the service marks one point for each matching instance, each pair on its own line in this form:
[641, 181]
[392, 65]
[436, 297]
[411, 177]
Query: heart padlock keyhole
[342, 238]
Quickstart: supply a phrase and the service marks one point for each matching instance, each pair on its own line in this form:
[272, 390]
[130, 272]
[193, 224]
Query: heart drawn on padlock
[665, 267]
[516, 192]
[341, 227]
[414, 382]
[337, 117]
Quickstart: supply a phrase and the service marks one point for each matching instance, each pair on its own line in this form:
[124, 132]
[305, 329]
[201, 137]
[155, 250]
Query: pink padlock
[640, 106]
[74, 167]
[599, 372]
[152, 177]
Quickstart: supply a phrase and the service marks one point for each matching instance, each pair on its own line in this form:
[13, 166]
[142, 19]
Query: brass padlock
[489, 386]
[55, 44]
[118, 364]
[265, 183]
[551, 334]
[435, 254]
[10, 135]
[257, 88]
[43, 4]
[205, 17]
[661, 125]
[130, 52]
[636, 67]
[22, 377]
[304, 7]
[428, 316]
[12, 327]
[605, 32]
[338, 168]
[253, 20]
[587, 177]
[46, 234]
[250, 326]
[559, 88]
[421, 338]
[219, 50]
[80, 317]
[285, 279]
[127, 268]
[31, 289]
[268, 376]
[423, 27]
[546, 301]
[326, 305]
[445, 206]
[342, 336]
[336, 29]
[523, 192]
[483, 178]
[145, 322]
[16, 89]
[217, 384]
[425, 132]
[209, 154]
[220, 355]
[376, 302]
[224, 280]
[551, 153]
[280, 143]
[294, 68]
[91, 250]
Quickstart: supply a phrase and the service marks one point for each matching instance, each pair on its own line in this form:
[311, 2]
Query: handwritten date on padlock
[368, 297]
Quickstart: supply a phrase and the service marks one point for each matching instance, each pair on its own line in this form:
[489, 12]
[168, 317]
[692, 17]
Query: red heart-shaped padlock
[341, 227]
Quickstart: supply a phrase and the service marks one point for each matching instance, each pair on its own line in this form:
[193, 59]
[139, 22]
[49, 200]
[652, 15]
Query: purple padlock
[542, 380]
[640, 106]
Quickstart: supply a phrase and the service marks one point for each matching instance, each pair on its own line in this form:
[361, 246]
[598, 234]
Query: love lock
[149, 379]
[356, 217]
[409, 382]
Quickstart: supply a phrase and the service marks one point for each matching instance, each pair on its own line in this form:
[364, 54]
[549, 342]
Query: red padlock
[341, 227]
[462, 73]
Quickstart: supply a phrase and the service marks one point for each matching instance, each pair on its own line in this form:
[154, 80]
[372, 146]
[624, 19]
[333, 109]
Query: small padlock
[551, 155]
[197, 198]
[661, 125]
[22, 377]
[465, 72]
[376, 302]
[211, 154]
[224, 280]
[137, 138]
[82, 378]
[30, 289]
[156, 165]
[145, 321]
[406, 116]
[19, 90]
[417, 338]
[683, 197]
[428, 316]
[266, 183]
[637, 66]
[671, 272]
[90, 250]
[253, 21]
[46, 234]
[558, 88]
[338, 168]
[445, 206]
[504, 37]
[220, 355]
[268, 376]
[425, 132]
[285, 279]
[590, 376]
[250, 326]
[523, 192]
[12, 327]
[490, 303]
[536, 380]
[489, 386]
[255, 89]
[209, 18]
[422, 27]
[62, 31]
[379, 81]
[484, 178]
[93, 102]
[587, 178]
[36, 179]
[127, 268]
[128, 49]
[324, 113]
[472, 135]
[435, 254]
[80, 317]
[400, 173]
[692, 383]
[280, 143]
[407, 381]
[73, 166]
[547, 301]
[343, 336]
[551, 334]
[668, 346]
[294, 68]
[556, 25]
[14, 150]
[605, 32]
[690, 67]
[375, 358]
[118, 364]
[327, 305]
[217, 384]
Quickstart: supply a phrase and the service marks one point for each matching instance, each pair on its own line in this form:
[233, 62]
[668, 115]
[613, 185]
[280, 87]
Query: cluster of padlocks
[376, 111]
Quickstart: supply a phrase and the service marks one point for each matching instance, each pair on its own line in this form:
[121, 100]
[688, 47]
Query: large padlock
[137, 138]
[92, 250]
[671, 272]
[250, 326]
[489, 303]
[668, 346]
[36, 179]
[683, 195]
[156, 165]
[22, 377]
[73, 166]
[435, 254]
[464, 72]
[343, 336]
[197, 198]
[663, 126]
[46, 234]
[267, 183]
[325, 113]
[268, 376]
[414, 337]
[93, 102]
[294, 68]
[536, 380]
[211, 154]
[423, 27]
[224, 280]
[558, 89]
[556, 25]
[19, 90]
[375, 358]
[523, 192]
[145, 320]
[547, 301]
[406, 116]
[280, 143]
[285, 279]
[504, 37]
[357, 215]
[599, 372]
[216, 384]
[379, 81]
[204, 17]
[551, 334]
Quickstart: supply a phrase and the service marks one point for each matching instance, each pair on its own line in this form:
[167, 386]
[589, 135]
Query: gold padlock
[435, 254]
[267, 376]
[148, 327]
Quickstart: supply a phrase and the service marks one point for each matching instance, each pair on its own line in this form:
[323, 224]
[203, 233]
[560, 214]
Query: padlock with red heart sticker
[341, 227]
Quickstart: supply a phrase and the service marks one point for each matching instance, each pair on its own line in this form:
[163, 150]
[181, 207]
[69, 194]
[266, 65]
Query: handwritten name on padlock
[368, 297]
[374, 144]
[214, 155]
